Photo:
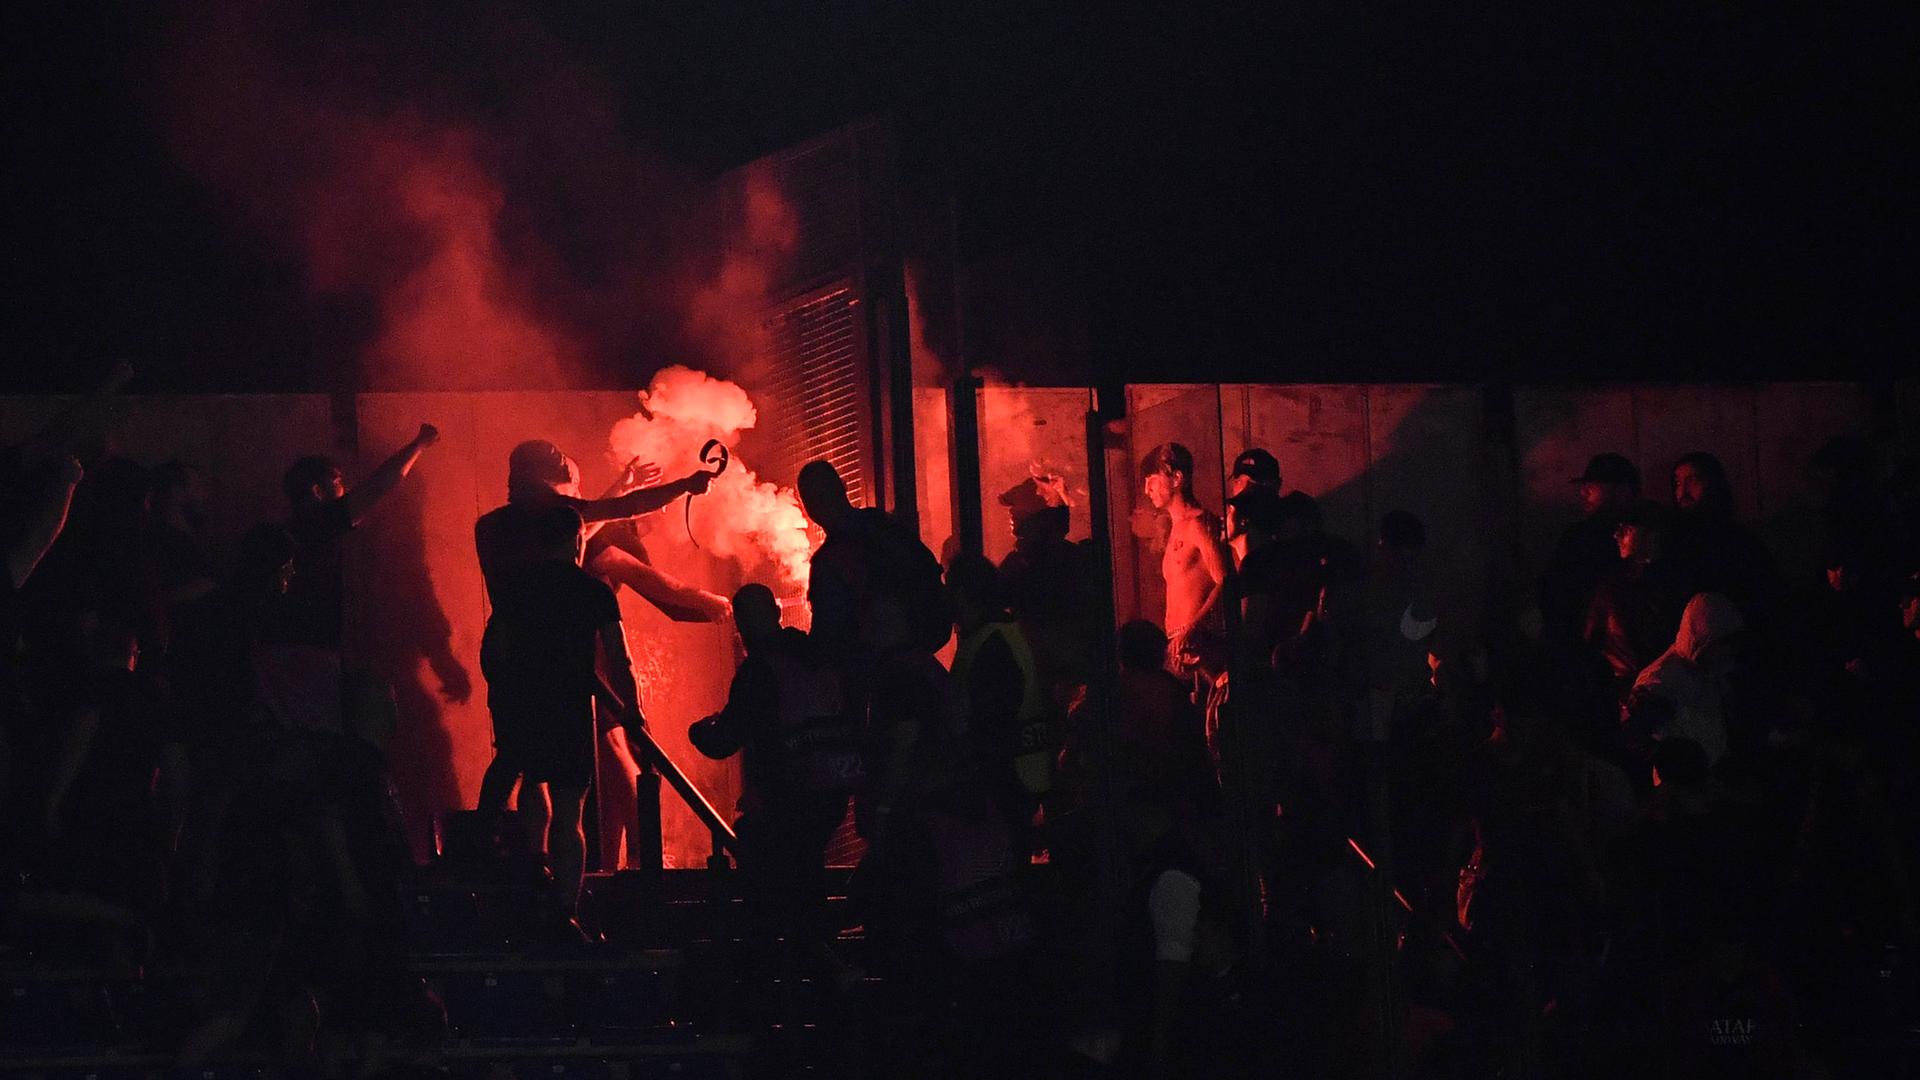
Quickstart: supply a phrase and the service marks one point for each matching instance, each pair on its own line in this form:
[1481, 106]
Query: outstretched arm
[678, 600]
[368, 493]
[45, 518]
[641, 501]
[635, 474]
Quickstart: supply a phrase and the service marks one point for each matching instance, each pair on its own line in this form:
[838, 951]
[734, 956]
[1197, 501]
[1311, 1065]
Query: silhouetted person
[323, 512]
[1845, 479]
[1397, 625]
[1053, 587]
[868, 559]
[1636, 607]
[1194, 563]
[916, 746]
[552, 625]
[1254, 468]
[37, 495]
[1043, 570]
[101, 562]
[1283, 581]
[182, 566]
[1262, 580]
[1586, 551]
[218, 637]
[540, 475]
[1008, 715]
[799, 741]
[117, 791]
[39, 476]
[1711, 549]
[1160, 734]
[38, 506]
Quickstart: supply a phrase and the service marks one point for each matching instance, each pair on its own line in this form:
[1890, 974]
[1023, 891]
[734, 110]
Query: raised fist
[428, 436]
[67, 471]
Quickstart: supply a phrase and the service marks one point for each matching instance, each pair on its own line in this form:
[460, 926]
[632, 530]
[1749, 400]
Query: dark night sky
[1330, 192]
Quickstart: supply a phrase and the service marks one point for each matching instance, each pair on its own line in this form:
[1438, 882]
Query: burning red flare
[757, 524]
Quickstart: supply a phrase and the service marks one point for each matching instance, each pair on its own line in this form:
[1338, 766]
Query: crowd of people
[1665, 824]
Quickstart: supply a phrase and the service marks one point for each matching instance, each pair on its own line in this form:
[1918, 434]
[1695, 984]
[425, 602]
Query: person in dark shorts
[540, 475]
[551, 622]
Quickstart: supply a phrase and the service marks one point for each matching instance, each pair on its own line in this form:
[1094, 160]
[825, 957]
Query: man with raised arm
[323, 510]
[554, 634]
[539, 478]
[539, 474]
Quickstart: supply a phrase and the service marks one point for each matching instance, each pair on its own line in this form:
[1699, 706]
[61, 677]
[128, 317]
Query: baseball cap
[1609, 469]
[1258, 466]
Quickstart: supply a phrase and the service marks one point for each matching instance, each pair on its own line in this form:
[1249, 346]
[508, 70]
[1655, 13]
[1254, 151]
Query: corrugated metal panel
[816, 400]
[821, 184]
[817, 397]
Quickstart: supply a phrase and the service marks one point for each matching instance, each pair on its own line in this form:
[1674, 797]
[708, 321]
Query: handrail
[696, 800]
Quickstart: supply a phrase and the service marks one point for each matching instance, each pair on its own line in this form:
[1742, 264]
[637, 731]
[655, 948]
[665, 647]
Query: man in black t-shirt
[322, 511]
[552, 622]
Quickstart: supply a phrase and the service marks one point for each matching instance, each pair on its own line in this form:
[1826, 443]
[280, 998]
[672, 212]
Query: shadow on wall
[408, 647]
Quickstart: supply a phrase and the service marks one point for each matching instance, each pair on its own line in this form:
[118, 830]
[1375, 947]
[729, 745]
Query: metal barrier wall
[1488, 470]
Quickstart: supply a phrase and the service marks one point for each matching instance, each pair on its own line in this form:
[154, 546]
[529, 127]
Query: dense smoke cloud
[467, 202]
[757, 524]
[474, 195]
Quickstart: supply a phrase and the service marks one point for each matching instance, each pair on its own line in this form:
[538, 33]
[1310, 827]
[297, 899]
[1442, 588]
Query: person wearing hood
[1681, 693]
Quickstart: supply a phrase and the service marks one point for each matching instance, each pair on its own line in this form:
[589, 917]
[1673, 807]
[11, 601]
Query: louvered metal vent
[817, 402]
[822, 186]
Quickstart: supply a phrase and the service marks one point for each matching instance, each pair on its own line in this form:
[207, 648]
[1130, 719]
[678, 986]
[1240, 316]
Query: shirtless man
[1195, 564]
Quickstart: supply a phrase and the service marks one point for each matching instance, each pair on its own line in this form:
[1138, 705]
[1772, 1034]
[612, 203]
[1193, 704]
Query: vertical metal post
[963, 404]
[898, 328]
[1109, 859]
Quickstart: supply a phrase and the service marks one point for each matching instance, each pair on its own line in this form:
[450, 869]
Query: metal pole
[1101, 733]
[898, 331]
[963, 403]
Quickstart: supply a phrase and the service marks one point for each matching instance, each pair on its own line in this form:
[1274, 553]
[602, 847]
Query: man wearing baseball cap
[1609, 490]
[1254, 468]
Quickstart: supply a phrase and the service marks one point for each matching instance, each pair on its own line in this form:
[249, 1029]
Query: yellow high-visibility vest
[1034, 752]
